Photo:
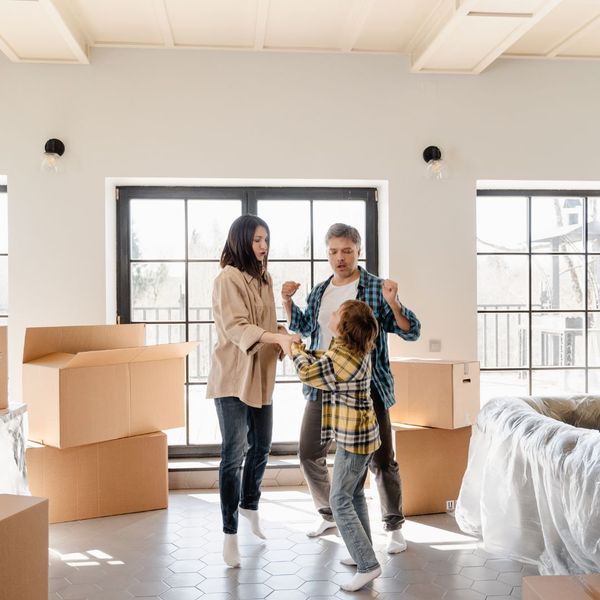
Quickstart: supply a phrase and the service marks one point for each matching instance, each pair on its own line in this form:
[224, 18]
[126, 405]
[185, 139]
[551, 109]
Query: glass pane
[3, 223]
[286, 241]
[556, 224]
[593, 381]
[199, 359]
[288, 408]
[176, 437]
[200, 287]
[290, 271]
[549, 383]
[503, 340]
[501, 224]
[285, 370]
[328, 212]
[557, 340]
[157, 292]
[208, 224]
[159, 333]
[157, 229]
[593, 216]
[503, 383]
[202, 418]
[502, 282]
[594, 339]
[3, 320]
[593, 282]
[557, 282]
[3, 285]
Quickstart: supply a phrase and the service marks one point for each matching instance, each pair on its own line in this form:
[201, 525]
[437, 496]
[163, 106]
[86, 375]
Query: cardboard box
[23, 548]
[435, 393]
[432, 464]
[3, 367]
[92, 384]
[109, 478]
[562, 587]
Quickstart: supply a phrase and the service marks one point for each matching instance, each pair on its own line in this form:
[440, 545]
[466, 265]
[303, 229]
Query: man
[349, 281]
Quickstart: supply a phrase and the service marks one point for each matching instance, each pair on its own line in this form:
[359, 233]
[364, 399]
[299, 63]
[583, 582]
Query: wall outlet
[435, 345]
[450, 505]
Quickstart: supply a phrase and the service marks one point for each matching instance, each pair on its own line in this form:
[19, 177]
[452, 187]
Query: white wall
[136, 113]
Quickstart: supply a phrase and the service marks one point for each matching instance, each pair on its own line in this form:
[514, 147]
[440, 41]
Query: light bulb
[437, 169]
[50, 162]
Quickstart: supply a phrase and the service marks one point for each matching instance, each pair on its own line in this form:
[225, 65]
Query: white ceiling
[439, 36]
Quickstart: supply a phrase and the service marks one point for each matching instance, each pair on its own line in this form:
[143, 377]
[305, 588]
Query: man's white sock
[396, 542]
[252, 516]
[231, 552]
[360, 580]
[322, 526]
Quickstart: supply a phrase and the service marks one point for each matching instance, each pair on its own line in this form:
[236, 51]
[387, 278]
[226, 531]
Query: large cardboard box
[3, 367]
[432, 464]
[435, 393]
[23, 548]
[98, 480]
[95, 383]
[562, 587]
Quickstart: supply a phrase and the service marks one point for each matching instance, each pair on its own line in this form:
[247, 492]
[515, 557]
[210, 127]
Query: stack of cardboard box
[436, 404]
[97, 400]
[562, 587]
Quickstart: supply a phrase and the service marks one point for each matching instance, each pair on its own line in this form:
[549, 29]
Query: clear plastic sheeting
[13, 479]
[532, 485]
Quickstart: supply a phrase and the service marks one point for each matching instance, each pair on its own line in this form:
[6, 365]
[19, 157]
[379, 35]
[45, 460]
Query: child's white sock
[396, 542]
[360, 580]
[322, 526]
[348, 561]
[252, 516]
[231, 552]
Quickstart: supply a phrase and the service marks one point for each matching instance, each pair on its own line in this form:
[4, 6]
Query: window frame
[529, 194]
[4, 190]
[249, 197]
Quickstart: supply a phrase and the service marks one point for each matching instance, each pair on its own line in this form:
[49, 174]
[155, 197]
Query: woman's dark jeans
[245, 431]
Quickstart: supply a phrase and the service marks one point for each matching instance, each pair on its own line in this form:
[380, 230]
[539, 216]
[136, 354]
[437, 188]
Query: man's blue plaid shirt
[369, 289]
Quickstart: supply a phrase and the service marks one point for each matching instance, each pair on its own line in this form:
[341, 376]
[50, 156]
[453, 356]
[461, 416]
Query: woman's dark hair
[238, 248]
[357, 328]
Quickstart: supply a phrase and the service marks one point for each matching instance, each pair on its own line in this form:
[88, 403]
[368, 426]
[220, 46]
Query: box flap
[56, 360]
[11, 504]
[98, 358]
[165, 351]
[40, 341]
[432, 361]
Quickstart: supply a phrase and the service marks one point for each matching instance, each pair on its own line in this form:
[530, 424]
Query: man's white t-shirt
[333, 297]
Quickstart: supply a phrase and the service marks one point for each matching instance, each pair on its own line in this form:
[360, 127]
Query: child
[343, 374]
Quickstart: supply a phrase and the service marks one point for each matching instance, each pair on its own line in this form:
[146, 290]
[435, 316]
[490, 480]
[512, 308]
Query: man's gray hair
[341, 230]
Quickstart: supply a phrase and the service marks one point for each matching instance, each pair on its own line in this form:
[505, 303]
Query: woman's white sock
[321, 527]
[252, 516]
[360, 580]
[231, 552]
[396, 542]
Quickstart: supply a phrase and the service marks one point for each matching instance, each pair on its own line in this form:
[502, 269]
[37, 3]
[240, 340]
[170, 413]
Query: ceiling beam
[262, 17]
[164, 24]
[574, 36]
[354, 24]
[8, 51]
[441, 29]
[68, 28]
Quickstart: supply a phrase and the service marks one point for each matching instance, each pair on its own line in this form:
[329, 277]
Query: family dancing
[347, 384]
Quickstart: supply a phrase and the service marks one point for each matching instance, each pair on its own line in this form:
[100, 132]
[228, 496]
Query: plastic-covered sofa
[532, 485]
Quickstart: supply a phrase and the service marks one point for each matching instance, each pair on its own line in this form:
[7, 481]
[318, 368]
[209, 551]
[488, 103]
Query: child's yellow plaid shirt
[345, 381]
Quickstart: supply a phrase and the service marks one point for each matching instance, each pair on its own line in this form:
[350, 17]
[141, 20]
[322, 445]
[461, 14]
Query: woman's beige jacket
[243, 309]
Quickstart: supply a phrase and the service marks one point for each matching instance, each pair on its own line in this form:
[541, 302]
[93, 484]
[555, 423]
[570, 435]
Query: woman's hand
[286, 341]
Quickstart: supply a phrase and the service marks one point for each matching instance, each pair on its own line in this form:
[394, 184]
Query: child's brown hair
[357, 328]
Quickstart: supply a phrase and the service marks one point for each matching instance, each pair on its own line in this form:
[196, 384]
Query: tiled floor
[175, 554]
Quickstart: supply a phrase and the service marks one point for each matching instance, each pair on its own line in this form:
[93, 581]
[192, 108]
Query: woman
[242, 374]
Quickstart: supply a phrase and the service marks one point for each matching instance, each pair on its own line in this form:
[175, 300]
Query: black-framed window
[3, 255]
[538, 291]
[169, 243]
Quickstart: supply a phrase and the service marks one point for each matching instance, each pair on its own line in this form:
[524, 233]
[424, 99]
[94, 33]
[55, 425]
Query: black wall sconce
[436, 166]
[53, 150]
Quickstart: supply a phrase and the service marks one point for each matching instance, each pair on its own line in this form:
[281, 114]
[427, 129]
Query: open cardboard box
[435, 393]
[96, 383]
[23, 547]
